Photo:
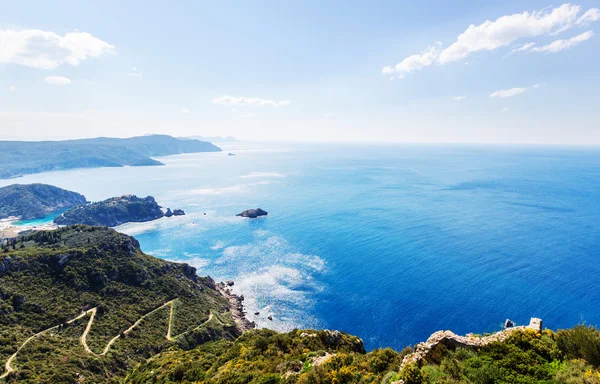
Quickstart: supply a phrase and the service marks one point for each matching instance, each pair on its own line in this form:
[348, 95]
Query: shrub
[580, 342]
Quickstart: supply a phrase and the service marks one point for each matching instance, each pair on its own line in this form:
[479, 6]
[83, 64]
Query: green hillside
[62, 282]
[33, 201]
[323, 357]
[112, 212]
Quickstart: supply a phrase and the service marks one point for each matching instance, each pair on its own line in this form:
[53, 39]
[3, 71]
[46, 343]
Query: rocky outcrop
[452, 340]
[236, 306]
[253, 213]
[175, 212]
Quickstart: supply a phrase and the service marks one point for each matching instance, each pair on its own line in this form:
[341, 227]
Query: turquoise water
[45, 220]
[390, 243]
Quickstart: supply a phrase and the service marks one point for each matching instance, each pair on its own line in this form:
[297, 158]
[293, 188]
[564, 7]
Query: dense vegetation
[112, 212]
[49, 277]
[23, 157]
[33, 201]
[318, 357]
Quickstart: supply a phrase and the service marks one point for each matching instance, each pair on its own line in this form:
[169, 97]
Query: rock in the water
[508, 324]
[229, 283]
[253, 213]
[178, 212]
[168, 213]
[256, 313]
[270, 318]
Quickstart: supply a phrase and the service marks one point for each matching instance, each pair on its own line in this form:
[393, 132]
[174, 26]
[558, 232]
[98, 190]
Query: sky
[518, 72]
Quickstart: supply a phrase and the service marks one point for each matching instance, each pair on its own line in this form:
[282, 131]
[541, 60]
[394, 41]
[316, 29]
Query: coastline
[9, 230]
[236, 306]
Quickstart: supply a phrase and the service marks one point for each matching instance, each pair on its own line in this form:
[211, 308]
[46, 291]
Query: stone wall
[452, 340]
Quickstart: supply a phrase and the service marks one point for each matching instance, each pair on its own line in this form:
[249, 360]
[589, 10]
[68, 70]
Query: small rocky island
[116, 211]
[175, 212]
[34, 201]
[253, 213]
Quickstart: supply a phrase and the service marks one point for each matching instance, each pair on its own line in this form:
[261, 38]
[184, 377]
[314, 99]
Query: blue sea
[387, 242]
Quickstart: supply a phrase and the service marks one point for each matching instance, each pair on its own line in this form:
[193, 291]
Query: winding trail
[83, 339]
[7, 367]
[93, 311]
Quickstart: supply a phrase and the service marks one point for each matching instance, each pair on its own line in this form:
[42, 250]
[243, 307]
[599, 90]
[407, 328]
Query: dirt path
[9, 369]
[83, 339]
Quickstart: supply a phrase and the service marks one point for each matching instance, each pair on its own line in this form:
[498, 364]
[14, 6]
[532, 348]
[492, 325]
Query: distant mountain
[33, 201]
[18, 158]
[215, 139]
[112, 212]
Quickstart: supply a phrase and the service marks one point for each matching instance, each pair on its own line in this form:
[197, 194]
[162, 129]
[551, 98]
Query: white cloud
[459, 98]
[589, 17]
[57, 80]
[507, 93]
[504, 31]
[559, 45]
[387, 70]
[522, 47]
[185, 111]
[42, 49]
[249, 101]
[512, 92]
[417, 62]
[12, 88]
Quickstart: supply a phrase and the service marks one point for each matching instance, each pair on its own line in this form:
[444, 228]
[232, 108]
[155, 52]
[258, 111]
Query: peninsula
[113, 212]
[19, 158]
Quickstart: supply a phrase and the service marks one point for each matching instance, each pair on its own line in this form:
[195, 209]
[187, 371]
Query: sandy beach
[9, 230]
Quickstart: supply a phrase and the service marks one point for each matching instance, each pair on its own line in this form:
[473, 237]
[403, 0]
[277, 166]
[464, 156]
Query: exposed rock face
[508, 323]
[452, 340]
[236, 305]
[253, 213]
[112, 212]
[175, 212]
